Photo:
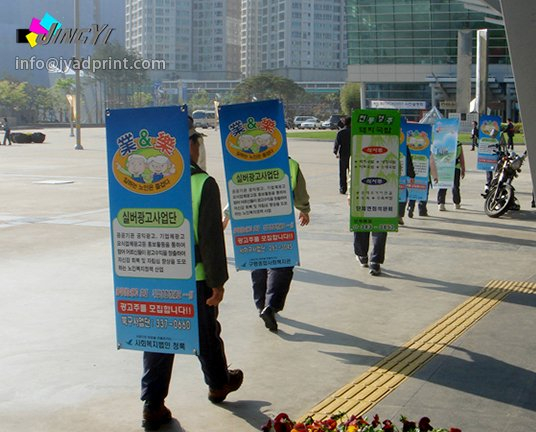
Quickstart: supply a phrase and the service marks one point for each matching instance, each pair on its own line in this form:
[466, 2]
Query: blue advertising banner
[417, 137]
[443, 153]
[404, 178]
[151, 229]
[489, 136]
[258, 185]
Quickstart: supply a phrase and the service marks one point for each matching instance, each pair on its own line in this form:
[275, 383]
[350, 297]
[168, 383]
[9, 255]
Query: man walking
[341, 149]
[211, 274]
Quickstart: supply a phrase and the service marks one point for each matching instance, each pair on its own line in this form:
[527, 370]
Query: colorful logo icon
[38, 27]
[254, 140]
[147, 164]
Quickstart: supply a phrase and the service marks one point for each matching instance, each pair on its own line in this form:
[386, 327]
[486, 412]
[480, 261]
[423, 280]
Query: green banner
[374, 170]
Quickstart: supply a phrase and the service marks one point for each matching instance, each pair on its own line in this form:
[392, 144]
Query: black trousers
[157, 367]
[271, 286]
[344, 165]
[361, 245]
[456, 197]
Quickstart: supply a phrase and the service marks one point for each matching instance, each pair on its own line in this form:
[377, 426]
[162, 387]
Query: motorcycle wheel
[498, 202]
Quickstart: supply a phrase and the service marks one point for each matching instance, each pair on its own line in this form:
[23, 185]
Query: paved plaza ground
[60, 370]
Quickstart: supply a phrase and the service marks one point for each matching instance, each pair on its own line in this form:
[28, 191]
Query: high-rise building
[199, 39]
[406, 50]
[303, 40]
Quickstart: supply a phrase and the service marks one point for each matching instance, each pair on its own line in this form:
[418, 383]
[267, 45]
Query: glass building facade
[415, 31]
[398, 47]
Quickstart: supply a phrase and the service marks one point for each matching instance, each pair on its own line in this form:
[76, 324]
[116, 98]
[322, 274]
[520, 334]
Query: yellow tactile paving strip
[364, 392]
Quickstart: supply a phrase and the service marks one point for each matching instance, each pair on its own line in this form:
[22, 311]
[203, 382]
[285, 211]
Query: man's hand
[217, 296]
[304, 218]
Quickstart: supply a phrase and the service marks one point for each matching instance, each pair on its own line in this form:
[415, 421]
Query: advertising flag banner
[404, 178]
[444, 143]
[151, 229]
[489, 137]
[259, 186]
[417, 137]
[374, 170]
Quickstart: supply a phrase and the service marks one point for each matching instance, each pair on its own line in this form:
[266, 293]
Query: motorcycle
[500, 196]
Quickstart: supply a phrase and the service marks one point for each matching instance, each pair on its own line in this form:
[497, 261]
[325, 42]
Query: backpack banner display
[259, 186]
[151, 229]
[418, 138]
[374, 168]
[489, 137]
[443, 157]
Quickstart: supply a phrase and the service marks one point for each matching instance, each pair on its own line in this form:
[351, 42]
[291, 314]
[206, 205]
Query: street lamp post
[78, 145]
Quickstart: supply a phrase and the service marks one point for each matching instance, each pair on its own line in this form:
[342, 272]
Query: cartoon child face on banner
[253, 140]
[147, 164]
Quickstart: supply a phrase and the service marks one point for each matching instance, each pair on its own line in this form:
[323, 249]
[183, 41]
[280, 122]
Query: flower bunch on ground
[341, 423]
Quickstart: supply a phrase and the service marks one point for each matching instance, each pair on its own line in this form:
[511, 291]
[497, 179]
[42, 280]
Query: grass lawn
[329, 135]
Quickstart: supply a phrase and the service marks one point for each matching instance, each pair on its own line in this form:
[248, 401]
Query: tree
[268, 86]
[200, 100]
[350, 97]
[141, 99]
[13, 96]
[113, 66]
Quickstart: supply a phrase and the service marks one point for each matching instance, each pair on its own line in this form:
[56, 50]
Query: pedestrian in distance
[341, 149]
[510, 131]
[7, 132]
[459, 173]
[211, 274]
[474, 136]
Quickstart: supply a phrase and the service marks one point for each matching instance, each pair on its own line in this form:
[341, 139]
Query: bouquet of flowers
[339, 423]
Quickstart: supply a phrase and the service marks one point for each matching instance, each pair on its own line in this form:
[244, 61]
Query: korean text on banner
[151, 229]
[374, 170]
[259, 187]
[489, 137]
[417, 137]
[444, 144]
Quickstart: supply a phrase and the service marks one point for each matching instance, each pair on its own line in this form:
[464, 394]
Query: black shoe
[236, 376]
[410, 213]
[375, 269]
[342, 191]
[423, 214]
[155, 414]
[363, 260]
[268, 316]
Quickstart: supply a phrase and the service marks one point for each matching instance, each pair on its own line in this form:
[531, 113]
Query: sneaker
[268, 316]
[458, 206]
[155, 414]
[410, 213]
[363, 260]
[375, 269]
[401, 221]
[236, 376]
[441, 207]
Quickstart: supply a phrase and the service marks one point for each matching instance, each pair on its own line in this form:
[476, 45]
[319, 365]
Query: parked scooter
[500, 197]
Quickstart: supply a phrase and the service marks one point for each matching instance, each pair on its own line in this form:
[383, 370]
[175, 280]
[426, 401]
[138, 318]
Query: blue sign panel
[259, 185]
[443, 153]
[418, 138]
[151, 229]
[489, 136]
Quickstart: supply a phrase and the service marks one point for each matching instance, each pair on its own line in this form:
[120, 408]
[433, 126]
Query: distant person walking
[474, 136]
[7, 133]
[341, 149]
[510, 131]
[459, 173]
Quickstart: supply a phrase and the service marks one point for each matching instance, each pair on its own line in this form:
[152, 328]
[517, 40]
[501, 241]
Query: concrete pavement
[60, 370]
